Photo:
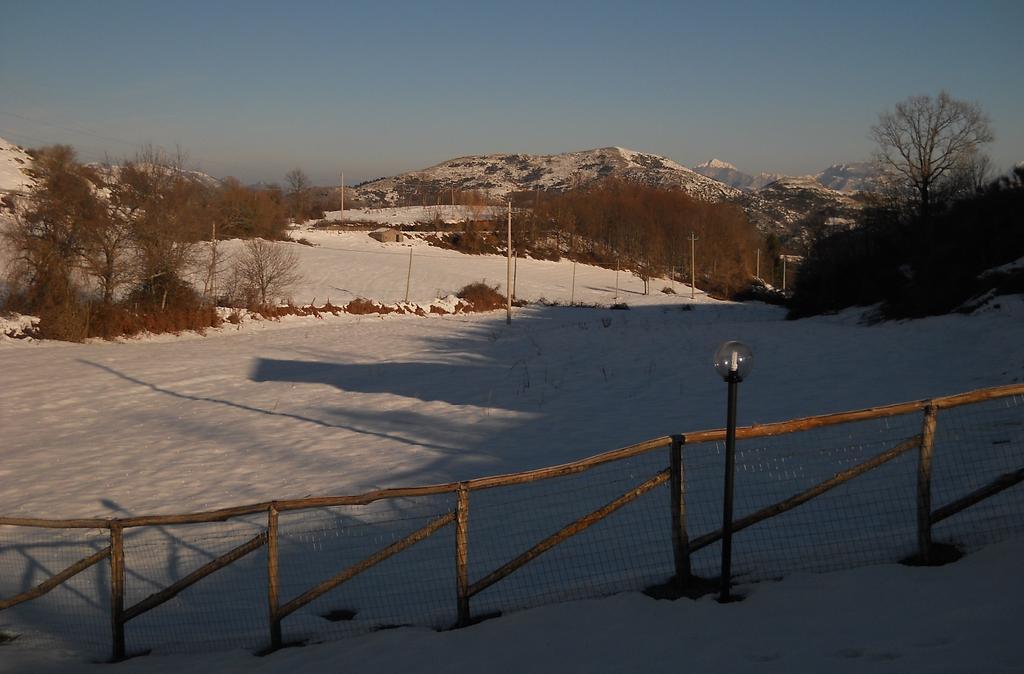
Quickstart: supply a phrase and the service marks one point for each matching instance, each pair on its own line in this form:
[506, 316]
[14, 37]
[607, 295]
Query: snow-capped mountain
[853, 177]
[499, 174]
[764, 179]
[849, 178]
[14, 169]
[725, 172]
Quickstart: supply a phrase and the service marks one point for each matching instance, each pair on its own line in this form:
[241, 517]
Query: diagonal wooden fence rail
[465, 588]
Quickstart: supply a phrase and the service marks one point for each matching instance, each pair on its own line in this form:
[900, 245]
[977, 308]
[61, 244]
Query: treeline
[644, 230]
[304, 201]
[917, 264]
[108, 251]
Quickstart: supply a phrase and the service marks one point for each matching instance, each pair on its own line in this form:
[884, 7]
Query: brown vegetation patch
[361, 306]
[481, 297]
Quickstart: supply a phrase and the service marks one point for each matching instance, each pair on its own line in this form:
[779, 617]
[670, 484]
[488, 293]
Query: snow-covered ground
[351, 403]
[956, 619]
[322, 406]
[411, 215]
[345, 265]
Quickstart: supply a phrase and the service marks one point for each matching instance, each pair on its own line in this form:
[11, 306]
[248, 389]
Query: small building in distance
[388, 235]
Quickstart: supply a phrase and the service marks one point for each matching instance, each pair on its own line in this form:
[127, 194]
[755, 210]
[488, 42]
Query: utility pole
[758, 272]
[515, 273]
[342, 196]
[693, 265]
[408, 276]
[572, 290]
[508, 282]
[213, 264]
[783, 272]
[616, 278]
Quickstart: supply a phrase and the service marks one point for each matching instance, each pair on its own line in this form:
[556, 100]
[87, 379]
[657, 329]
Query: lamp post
[733, 361]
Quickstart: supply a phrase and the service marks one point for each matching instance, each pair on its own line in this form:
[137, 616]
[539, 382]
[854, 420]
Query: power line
[93, 134]
[84, 132]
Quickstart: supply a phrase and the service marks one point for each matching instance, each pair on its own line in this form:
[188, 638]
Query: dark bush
[482, 297]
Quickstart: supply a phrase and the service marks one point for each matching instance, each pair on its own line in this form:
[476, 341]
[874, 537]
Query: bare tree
[264, 271]
[925, 140]
[298, 192]
[171, 214]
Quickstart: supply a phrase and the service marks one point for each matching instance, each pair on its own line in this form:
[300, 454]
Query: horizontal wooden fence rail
[678, 538]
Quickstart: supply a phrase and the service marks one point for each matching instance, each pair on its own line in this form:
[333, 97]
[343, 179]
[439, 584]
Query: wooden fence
[465, 588]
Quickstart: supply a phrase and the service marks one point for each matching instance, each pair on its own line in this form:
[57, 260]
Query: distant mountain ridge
[848, 178]
[497, 175]
[726, 173]
[779, 204]
[774, 203]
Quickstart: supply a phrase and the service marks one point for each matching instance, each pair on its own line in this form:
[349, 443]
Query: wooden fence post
[924, 484]
[462, 554]
[680, 539]
[272, 571]
[117, 591]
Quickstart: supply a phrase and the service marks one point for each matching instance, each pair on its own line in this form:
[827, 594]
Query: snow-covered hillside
[851, 177]
[783, 205]
[414, 215]
[14, 165]
[344, 265]
[499, 174]
[112, 172]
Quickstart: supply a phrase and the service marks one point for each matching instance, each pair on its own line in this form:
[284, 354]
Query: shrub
[482, 297]
[361, 306]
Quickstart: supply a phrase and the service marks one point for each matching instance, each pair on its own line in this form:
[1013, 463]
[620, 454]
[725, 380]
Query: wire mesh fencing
[831, 494]
[74, 615]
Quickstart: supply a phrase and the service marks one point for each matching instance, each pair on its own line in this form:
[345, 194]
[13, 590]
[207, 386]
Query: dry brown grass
[120, 321]
[481, 297]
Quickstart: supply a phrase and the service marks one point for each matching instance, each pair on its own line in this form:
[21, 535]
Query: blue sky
[253, 89]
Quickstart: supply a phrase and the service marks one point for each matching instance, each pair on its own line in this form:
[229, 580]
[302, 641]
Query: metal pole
[758, 272]
[515, 273]
[508, 282]
[616, 279]
[693, 265]
[783, 273]
[572, 290]
[730, 469]
[408, 276]
[213, 265]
